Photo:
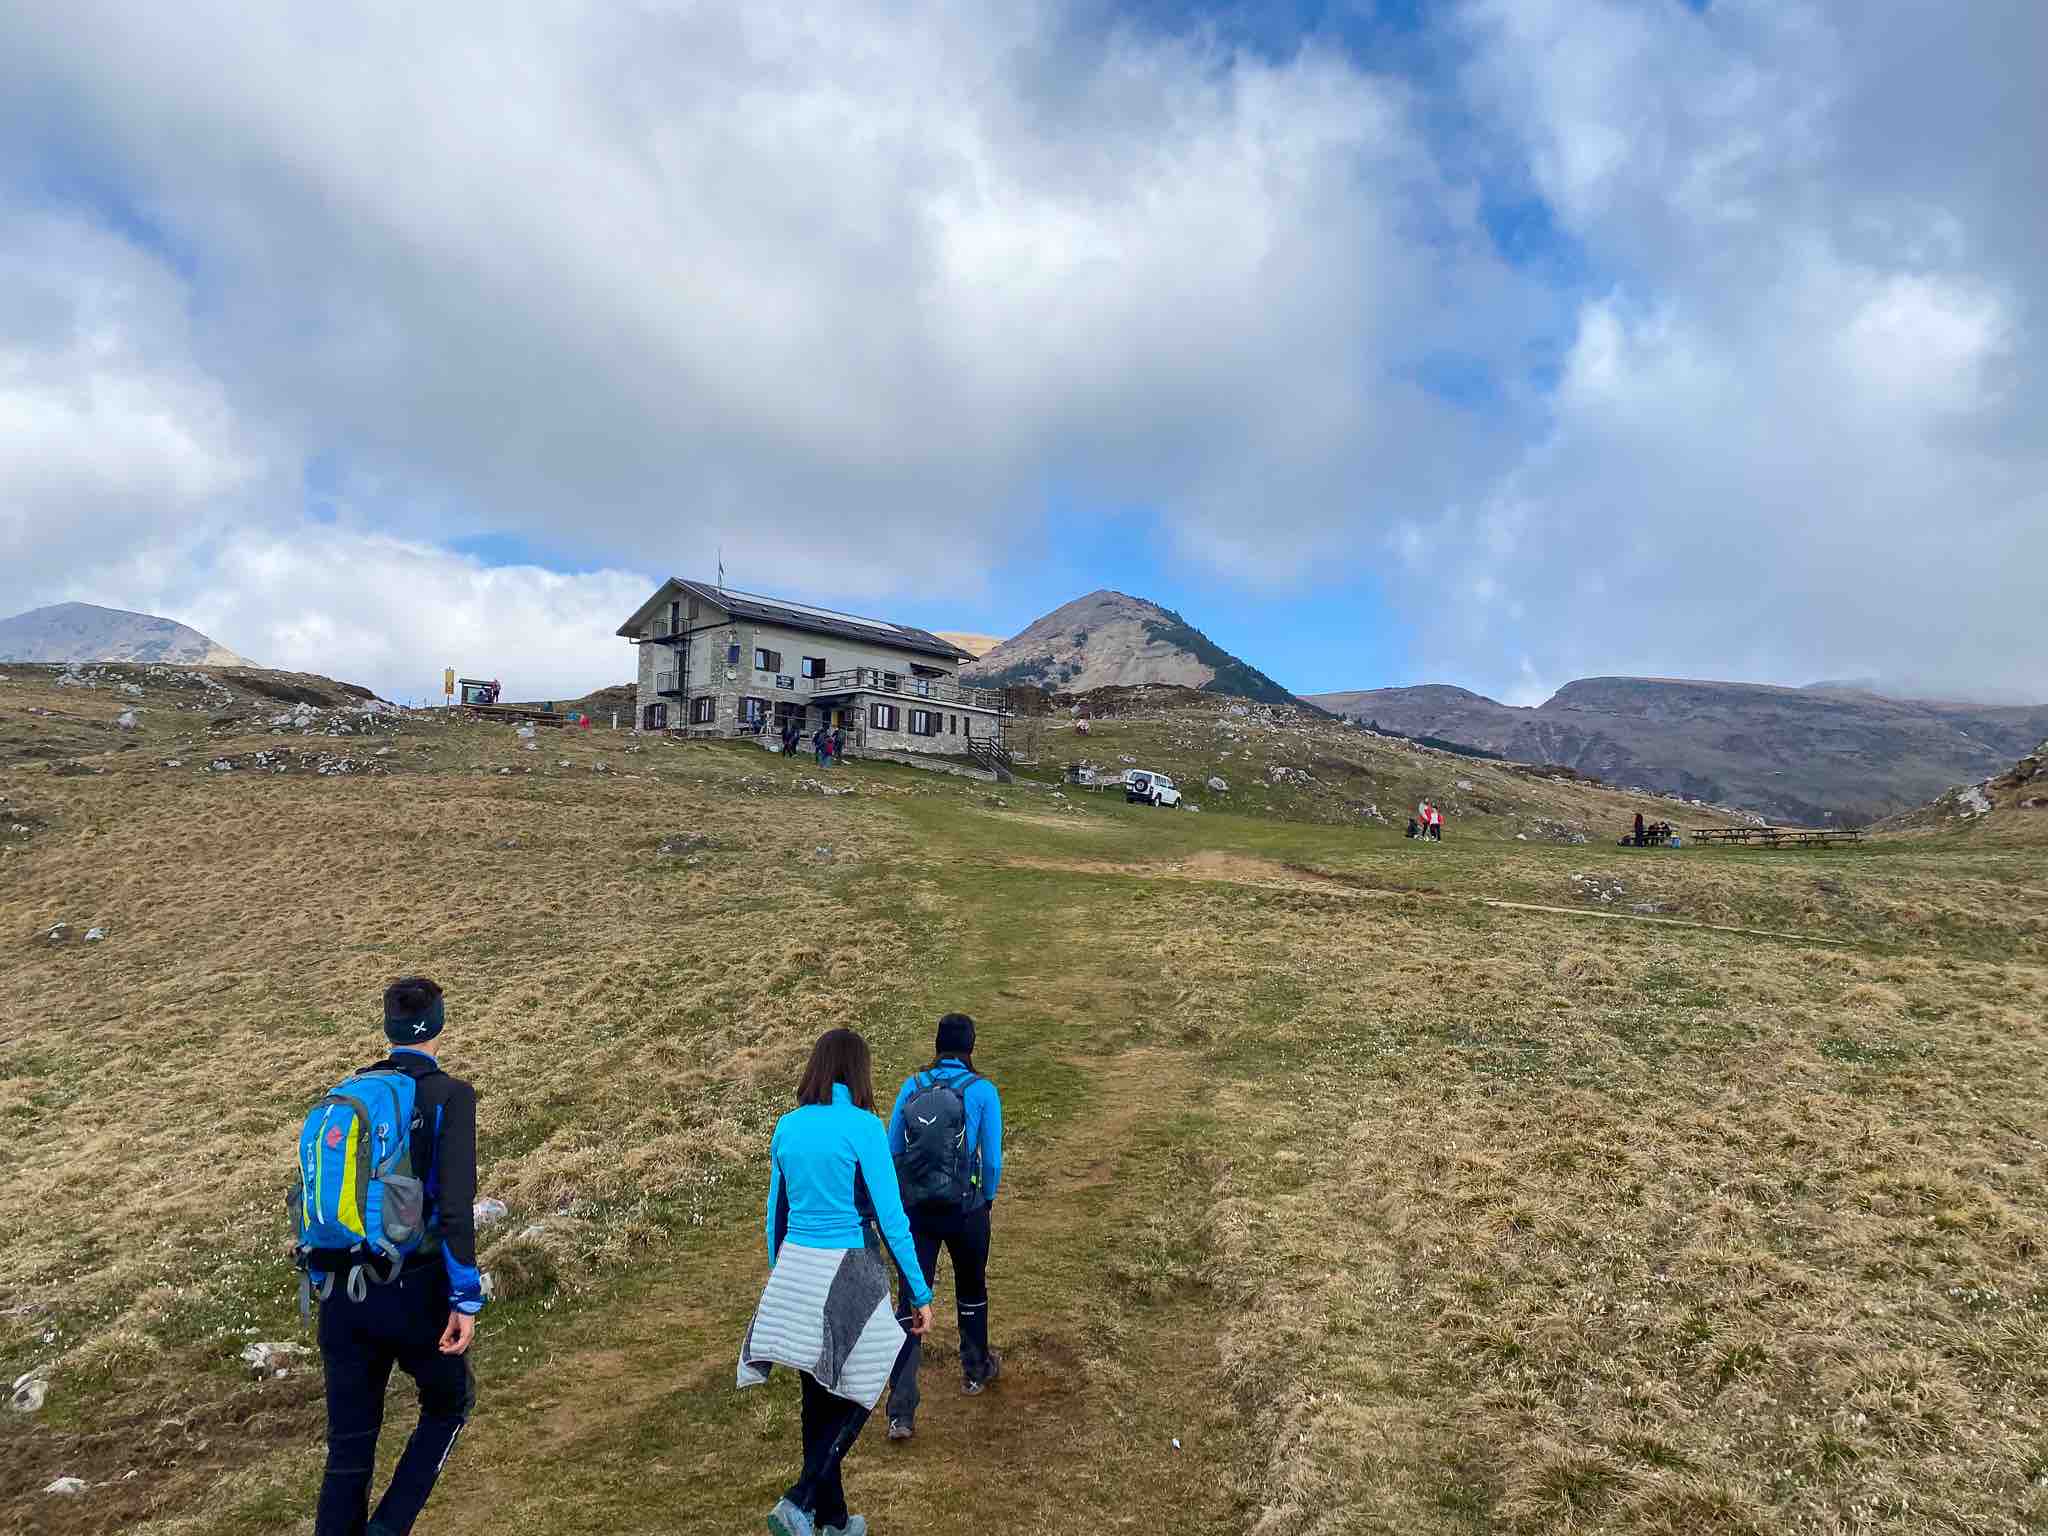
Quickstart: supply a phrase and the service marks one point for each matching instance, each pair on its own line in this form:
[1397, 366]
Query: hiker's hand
[456, 1336]
[921, 1321]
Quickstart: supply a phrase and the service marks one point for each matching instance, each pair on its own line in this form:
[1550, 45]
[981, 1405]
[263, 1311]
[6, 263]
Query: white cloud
[110, 438]
[391, 613]
[1802, 436]
[857, 280]
[851, 290]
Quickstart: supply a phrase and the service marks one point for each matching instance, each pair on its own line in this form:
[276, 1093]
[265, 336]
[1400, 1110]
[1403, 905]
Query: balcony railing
[939, 690]
[667, 685]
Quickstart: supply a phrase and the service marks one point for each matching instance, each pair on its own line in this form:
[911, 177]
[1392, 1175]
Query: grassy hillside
[1410, 1189]
[1297, 763]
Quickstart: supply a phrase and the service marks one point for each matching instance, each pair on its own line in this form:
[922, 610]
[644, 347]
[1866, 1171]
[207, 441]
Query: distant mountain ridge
[1796, 754]
[66, 632]
[1113, 640]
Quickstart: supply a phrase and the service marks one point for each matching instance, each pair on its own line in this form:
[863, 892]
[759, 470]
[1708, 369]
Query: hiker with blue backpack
[387, 1241]
[946, 1135]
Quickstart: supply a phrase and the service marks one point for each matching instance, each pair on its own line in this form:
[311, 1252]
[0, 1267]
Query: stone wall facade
[728, 692]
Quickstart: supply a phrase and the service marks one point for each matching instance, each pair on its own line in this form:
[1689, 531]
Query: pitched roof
[801, 616]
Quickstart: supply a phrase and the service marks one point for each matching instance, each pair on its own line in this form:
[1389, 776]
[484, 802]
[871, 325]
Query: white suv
[1142, 784]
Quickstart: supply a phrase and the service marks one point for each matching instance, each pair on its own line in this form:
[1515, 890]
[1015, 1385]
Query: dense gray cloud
[825, 269]
[865, 283]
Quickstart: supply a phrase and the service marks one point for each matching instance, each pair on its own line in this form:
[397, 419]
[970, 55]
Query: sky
[1493, 342]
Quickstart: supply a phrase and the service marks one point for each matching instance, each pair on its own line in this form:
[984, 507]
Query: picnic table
[1779, 837]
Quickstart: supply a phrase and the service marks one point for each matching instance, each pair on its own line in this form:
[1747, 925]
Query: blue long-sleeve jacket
[822, 1159]
[984, 1120]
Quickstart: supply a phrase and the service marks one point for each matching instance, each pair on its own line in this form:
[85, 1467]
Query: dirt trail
[634, 1422]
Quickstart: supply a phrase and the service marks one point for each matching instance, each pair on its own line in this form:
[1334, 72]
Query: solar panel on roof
[816, 613]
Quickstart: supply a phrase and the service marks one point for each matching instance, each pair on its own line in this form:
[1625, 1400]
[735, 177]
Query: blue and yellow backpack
[359, 1198]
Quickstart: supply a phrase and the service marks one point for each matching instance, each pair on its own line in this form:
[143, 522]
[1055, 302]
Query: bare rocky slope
[1112, 640]
[1797, 754]
[2012, 804]
[66, 632]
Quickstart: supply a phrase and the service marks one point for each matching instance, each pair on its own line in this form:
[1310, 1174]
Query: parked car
[1142, 784]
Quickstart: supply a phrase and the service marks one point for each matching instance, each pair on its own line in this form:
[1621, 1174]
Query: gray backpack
[935, 1169]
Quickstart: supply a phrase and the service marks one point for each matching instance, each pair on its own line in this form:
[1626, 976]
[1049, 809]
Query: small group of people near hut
[829, 742]
[385, 1238]
[1427, 823]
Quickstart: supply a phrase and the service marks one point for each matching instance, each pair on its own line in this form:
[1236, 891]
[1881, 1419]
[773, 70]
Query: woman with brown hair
[825, 1313]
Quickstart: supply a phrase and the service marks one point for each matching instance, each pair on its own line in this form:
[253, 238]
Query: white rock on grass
[30, 1391]
[67, 1487]
[271, 1359]
[486, 1211]
[1219, 784]
[126, 720]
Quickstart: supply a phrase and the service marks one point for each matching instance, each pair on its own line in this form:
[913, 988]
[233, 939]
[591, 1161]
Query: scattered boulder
[94, 935]
[682, 844]
[67, 1487]
[271, 1359]
[1219, 784]
[127, 720]
[30, 1391]
[486, 1211]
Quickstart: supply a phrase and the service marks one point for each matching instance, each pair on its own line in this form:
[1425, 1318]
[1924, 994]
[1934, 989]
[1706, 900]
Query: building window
[752, 713]
[654, 718]
[882, 716]
[923, 723]
[705, 710]
[767, 661]
[814, 666]
[732, 654]
[952, 725]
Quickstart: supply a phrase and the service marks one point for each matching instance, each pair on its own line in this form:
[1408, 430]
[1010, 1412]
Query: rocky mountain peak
[86, 632]
[1114, 640]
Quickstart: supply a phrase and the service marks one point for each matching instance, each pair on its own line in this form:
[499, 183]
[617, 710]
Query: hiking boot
[856, 1525]
[995, 1369]
[899, 1429]
[785, 1519]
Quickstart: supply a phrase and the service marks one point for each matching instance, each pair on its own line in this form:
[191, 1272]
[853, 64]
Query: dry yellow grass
[1402, 1213]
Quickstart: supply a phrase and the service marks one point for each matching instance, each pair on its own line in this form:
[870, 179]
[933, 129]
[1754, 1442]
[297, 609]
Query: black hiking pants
[966, 1240]
[398, 1324]
[831, 1425]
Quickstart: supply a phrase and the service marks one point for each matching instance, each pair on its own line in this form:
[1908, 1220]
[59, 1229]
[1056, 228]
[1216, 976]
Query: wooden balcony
[935, 690]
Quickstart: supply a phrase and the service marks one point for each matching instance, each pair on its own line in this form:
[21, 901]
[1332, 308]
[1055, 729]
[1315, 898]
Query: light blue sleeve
[896, 1117]
[988, 1136]
[878, 1169]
